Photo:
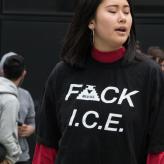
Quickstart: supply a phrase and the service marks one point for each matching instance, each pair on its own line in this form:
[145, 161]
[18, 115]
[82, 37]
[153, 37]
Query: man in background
[13, 70]
[26, 121]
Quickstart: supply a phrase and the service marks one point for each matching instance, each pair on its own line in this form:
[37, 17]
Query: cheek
[130, 23]
[105, 24]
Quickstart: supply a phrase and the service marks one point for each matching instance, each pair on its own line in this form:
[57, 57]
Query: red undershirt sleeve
[155, 158]
[44, 155]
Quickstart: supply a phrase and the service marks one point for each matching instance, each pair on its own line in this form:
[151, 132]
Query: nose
[121, 17]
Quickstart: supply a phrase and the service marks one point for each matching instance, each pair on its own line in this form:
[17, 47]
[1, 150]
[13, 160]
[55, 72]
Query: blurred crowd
[156, 53]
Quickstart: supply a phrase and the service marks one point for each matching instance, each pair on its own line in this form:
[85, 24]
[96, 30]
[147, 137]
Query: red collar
[108, 57]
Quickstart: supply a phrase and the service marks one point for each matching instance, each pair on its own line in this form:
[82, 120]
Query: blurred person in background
[157, 55]
[26, 120]
[13, 71]
[26, 123]
[155, 52]
[161, 62]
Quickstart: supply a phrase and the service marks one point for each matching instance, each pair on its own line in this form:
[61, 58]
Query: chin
[121, 42]
[118, 44]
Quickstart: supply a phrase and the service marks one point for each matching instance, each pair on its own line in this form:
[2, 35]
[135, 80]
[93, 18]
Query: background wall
[35, 29]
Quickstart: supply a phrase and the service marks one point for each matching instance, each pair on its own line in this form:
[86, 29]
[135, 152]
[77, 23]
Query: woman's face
[111, 25]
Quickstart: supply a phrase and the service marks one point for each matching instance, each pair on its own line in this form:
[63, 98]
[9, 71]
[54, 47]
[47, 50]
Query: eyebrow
[118, 6]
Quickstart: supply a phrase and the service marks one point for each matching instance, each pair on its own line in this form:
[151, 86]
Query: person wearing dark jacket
[103, 103]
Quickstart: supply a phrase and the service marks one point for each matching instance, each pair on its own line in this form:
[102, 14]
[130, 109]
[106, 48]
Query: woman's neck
[108, 56]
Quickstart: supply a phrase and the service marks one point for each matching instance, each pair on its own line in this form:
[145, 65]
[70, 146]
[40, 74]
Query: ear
[24, 73]
[91, 25]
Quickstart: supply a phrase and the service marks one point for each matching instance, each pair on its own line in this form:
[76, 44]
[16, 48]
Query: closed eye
[126, 12]
[113, 12]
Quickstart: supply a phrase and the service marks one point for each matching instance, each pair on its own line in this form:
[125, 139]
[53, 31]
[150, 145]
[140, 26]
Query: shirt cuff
[155, 158]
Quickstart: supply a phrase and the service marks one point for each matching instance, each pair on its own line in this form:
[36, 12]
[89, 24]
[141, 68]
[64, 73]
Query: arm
[48, 131]
[156, 133]
[28, 127]
[8, 128]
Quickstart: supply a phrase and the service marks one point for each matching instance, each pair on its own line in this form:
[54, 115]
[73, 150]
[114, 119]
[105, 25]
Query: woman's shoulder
[60, 70]
[62, 67]
[144, 61]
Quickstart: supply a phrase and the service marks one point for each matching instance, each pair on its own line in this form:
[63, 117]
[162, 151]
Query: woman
[102, 103]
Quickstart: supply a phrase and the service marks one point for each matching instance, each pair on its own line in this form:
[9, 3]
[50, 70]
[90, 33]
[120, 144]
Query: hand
[25, 130]
[6, 161]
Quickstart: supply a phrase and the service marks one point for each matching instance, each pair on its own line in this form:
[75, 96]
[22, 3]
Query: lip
[121, 30]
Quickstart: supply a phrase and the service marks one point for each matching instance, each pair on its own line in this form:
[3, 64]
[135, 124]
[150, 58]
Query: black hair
[13, 67]
[78, 42]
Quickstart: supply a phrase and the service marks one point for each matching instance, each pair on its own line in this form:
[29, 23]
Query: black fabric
[25, 162]
[104, 113]
[3, 152]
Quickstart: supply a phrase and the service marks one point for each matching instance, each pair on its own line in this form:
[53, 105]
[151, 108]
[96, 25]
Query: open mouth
[121, 29]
